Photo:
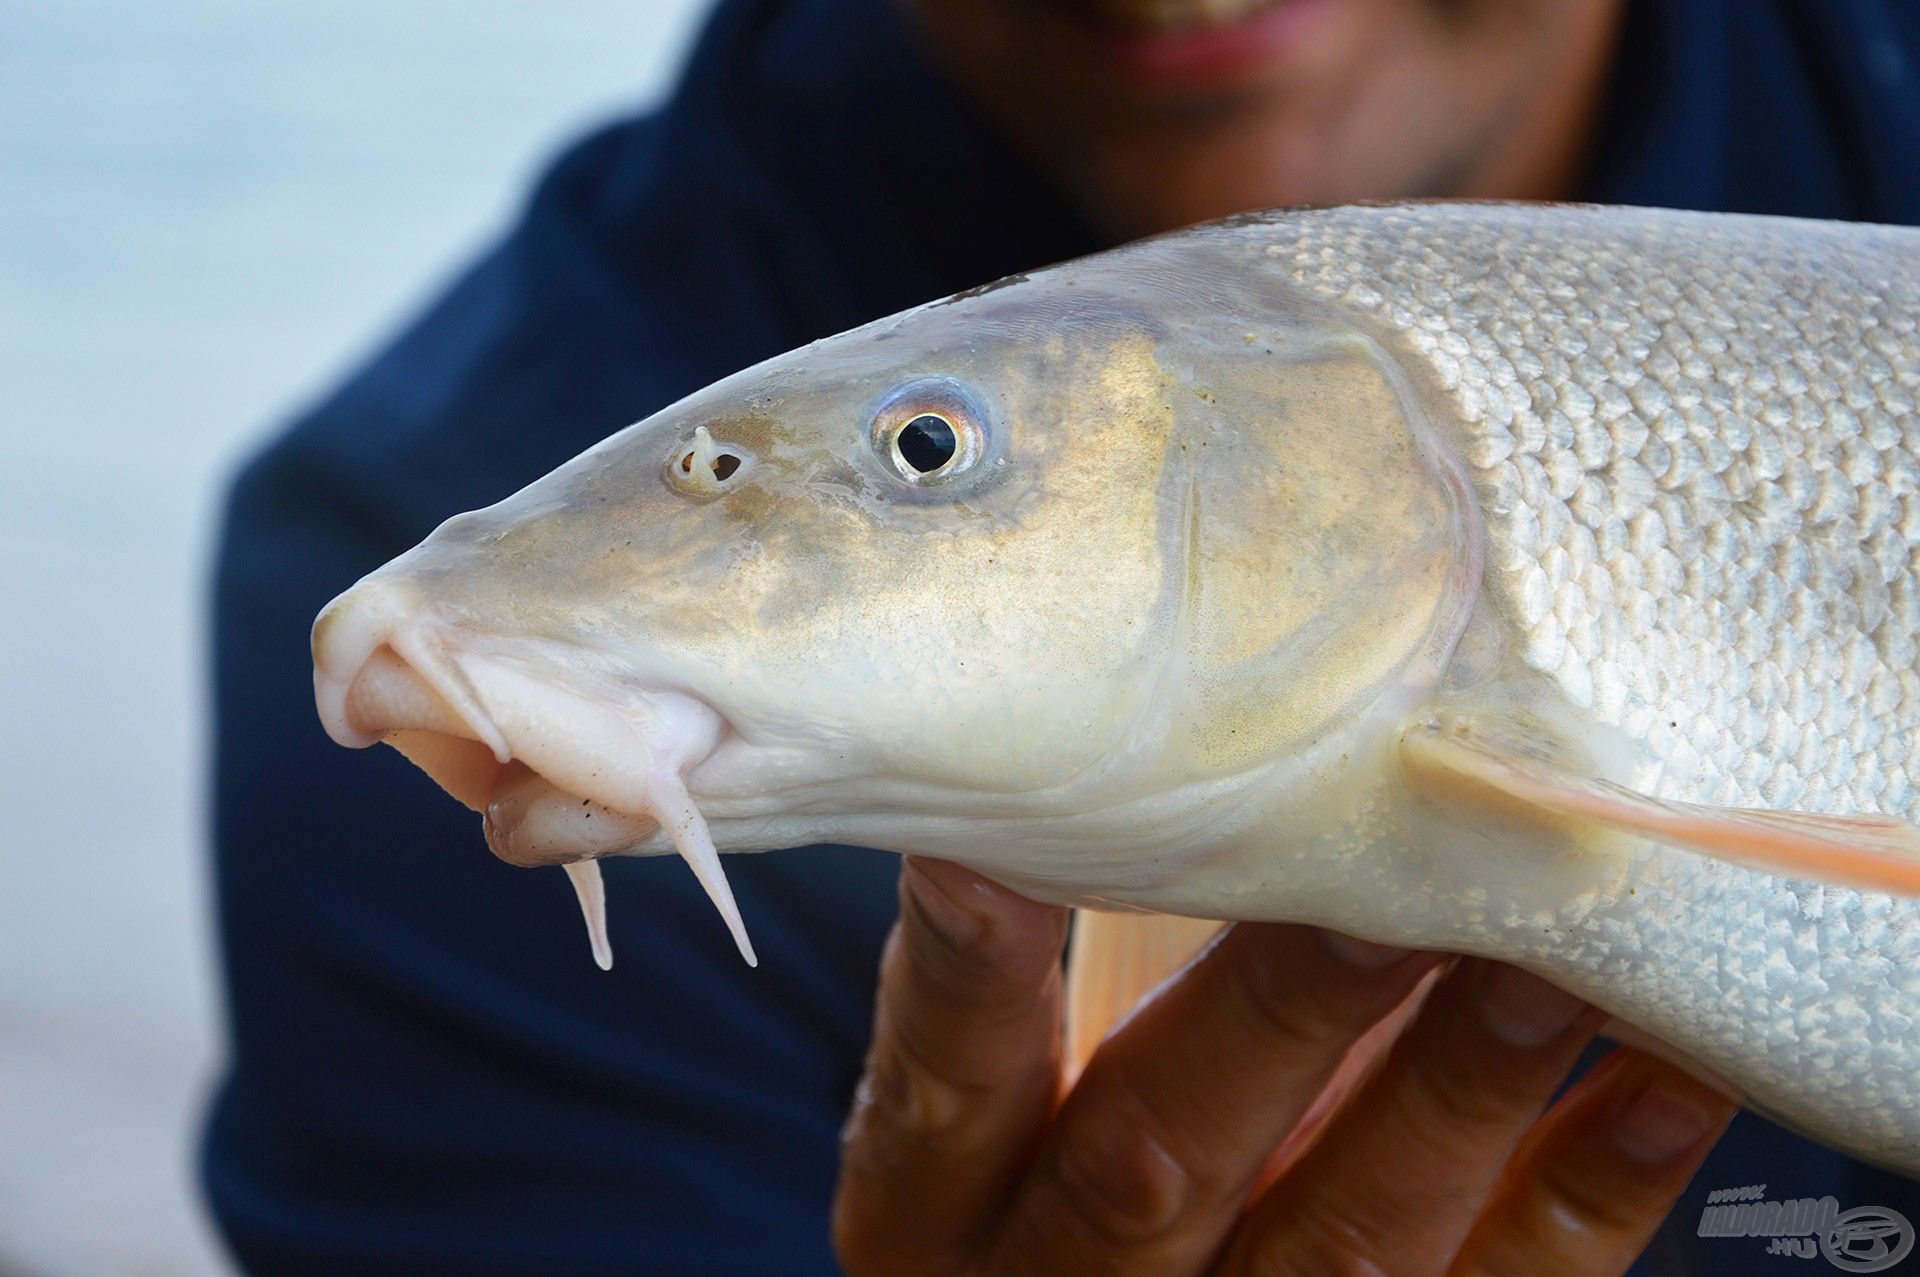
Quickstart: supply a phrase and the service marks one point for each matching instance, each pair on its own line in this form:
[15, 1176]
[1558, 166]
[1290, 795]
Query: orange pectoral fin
[1453, 761]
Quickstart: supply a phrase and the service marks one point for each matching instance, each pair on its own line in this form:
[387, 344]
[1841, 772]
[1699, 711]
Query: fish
[1533, 582]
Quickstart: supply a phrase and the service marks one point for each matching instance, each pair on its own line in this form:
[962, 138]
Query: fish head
[989, 579]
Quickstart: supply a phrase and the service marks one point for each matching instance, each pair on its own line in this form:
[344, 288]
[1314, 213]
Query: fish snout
[386, 674]
[382, 673]
[568, 757]
[346, 634]
[378, 668]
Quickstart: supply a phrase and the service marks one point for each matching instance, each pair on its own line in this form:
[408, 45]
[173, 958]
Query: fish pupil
[927, 442]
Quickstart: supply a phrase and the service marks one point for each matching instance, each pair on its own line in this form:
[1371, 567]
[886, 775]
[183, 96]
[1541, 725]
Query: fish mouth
[566, 757]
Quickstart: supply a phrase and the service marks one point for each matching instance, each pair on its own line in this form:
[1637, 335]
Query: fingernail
[954, 902]
[1362, 953]
[1525, 1011]
[1667, 1117]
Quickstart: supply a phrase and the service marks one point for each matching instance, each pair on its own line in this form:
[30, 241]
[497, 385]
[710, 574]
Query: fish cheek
[1059, 594]
[993, 633]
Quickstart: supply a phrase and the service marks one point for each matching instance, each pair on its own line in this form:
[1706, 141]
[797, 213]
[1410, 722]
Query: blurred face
[1158, 113]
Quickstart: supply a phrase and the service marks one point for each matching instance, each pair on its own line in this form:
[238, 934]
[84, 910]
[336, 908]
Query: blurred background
[208, 211]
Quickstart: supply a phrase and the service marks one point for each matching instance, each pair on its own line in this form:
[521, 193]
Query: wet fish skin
[1363, 567]
[1693, 440]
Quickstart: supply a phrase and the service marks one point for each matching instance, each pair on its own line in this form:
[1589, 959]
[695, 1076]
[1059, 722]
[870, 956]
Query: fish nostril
[703, 467]
[721, 467]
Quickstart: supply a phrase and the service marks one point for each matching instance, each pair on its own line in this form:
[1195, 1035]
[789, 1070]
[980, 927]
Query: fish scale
[1604, 445]
[1715, 551]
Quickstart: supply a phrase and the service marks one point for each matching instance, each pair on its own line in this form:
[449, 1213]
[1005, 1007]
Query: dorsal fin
[1454, 760]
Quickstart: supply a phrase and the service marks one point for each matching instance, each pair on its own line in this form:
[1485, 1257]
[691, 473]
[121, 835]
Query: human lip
[1197, 43]
[1176, 13]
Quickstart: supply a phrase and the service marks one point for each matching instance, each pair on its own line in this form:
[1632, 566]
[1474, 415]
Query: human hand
[1429, 1156]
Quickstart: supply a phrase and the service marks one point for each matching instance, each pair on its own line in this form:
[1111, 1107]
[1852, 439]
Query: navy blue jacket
[428, 1075]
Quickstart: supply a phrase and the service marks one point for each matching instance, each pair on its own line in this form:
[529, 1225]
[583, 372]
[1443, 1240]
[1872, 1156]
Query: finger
[1595, 1178]
[962, 1074]
[1398, 1177]
[1156, 1148]
[1362, 1061]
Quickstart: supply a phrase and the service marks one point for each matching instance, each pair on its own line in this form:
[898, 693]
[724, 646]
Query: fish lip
[505, 821]
[345, 636]
[597, 733]
[485, 715]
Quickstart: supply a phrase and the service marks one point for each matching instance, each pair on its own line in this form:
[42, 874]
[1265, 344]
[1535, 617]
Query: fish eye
[927, 442]
[929, 432]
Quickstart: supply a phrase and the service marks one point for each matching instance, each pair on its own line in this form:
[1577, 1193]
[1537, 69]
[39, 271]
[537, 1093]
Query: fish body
[1536, 583]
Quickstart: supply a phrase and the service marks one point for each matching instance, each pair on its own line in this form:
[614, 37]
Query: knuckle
[1501, 1262]
[903, 1102]
[1586, 1204]
[1321, 1240]
[869, 1147]
[1441, 1100]
[969, 959]
[1127, 1191]
[930, 1099]
[857, 1231]
[1284, 1005]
